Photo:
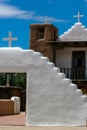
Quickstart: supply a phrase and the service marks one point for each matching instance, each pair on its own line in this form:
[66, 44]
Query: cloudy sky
[17, 15]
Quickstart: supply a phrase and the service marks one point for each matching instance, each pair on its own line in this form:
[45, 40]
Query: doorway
[13, 84]
[78, 64]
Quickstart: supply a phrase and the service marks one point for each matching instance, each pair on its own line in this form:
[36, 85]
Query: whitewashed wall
[64, 57]
[52, 99]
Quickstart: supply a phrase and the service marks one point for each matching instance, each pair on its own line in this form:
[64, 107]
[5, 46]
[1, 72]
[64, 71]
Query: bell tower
[40, 35]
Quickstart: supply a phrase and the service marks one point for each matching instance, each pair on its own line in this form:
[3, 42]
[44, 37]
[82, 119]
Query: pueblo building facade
[68, 51]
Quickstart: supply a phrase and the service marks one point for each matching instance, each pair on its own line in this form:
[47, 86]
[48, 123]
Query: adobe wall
[42, 45]
[52, 99]
[64, 57]
[6, 107]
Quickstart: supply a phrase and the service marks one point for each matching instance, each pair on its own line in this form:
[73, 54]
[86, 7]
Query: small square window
[40, 34]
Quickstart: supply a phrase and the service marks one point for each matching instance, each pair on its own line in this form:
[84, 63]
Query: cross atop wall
[8, 80]
[78, 16]
[47, 20]
[10, 39]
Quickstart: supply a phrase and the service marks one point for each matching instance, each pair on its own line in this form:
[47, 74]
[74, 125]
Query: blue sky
[17, 15]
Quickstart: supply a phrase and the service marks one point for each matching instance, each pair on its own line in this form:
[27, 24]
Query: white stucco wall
[64, 57]
[52, 100]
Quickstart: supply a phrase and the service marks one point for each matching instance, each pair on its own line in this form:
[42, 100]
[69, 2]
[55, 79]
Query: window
[40, 34]
[78, 65]
[78, 59]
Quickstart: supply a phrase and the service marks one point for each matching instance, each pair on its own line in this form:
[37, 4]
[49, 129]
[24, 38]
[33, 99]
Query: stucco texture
[77, 32]
[52, 99]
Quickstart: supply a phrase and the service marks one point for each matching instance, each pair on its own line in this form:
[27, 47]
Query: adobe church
[68, 51]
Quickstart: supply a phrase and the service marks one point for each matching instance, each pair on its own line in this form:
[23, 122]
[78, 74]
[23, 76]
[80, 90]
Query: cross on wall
[47, 20]
[8, 81]
[10, 39]
[78, 16]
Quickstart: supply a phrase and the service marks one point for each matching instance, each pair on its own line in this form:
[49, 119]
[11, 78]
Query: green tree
[2, 79]
[15, 79]
[20, 80]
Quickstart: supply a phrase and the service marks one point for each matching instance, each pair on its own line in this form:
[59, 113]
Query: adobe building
[68, 51]
[40, 36]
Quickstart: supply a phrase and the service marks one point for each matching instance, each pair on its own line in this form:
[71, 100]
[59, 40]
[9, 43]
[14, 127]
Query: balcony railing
[75, 73]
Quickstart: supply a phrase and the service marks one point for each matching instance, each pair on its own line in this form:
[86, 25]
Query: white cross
[78, 16]
[8, 80]
[47, 20]
[10, 39]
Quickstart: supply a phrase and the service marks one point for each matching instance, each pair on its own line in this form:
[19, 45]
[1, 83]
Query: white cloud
[9, 11]
[48, 19]
[2, 1]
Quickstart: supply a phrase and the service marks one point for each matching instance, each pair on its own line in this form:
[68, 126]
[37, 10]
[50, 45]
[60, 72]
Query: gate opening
[13, 84]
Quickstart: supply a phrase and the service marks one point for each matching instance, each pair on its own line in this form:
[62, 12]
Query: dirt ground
[17, 122]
